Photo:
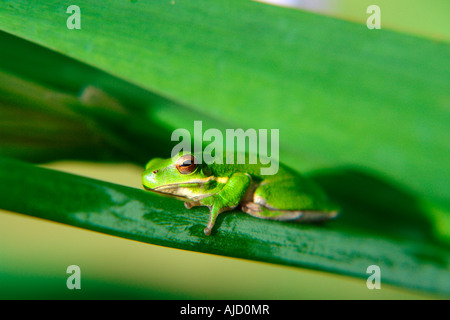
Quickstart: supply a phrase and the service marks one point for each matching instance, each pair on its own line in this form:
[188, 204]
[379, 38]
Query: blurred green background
[411, 17]
[34, 253]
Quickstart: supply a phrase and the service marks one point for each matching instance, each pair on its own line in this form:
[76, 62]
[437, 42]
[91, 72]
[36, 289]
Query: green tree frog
[285, 196]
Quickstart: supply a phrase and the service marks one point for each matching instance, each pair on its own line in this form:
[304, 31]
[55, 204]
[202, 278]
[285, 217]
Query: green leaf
[339, 93]
[364, 112]
[143, 216]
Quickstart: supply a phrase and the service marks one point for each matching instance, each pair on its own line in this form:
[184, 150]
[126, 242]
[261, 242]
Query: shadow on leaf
[375, 205]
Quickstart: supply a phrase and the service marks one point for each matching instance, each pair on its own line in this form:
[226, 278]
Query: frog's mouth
[166, 193]
[184, 190]
[177, 190]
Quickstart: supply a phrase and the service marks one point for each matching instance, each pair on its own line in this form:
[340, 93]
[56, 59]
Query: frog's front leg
[227, 199]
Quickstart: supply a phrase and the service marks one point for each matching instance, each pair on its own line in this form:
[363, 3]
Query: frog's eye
[186, 164]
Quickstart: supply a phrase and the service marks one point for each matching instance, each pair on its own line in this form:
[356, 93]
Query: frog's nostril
[155, 171]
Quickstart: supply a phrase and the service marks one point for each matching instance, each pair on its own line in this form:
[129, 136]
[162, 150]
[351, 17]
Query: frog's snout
[149, 179]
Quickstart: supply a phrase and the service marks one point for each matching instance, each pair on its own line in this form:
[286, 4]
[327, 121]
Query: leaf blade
[139, 215]
[226, 66]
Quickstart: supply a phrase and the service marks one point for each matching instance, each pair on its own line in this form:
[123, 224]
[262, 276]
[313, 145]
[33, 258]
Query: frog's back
[285, 180]
[227, 169]
[250, 165]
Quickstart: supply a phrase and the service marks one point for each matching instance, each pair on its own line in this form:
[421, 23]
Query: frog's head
[181, 176]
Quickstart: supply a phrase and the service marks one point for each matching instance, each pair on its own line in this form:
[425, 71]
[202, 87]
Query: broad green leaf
[359, 107]
[339, 93]
[143, 216]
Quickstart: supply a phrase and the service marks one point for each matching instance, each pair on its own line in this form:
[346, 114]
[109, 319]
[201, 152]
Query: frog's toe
[207, 231]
